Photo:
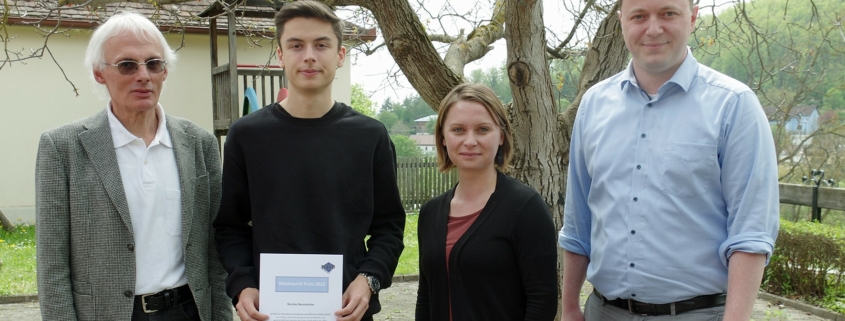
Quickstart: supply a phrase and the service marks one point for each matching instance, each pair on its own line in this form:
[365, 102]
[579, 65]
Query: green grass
[409, 261]
[17, 255]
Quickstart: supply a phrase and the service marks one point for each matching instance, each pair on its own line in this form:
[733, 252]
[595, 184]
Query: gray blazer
[85, 243]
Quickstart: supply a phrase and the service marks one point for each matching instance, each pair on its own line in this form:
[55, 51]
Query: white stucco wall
[35, 97]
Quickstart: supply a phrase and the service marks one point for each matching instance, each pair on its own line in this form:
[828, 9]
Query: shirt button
[127, 293]
[632, 264]
[649, 105]
[131, 247]
[638, 167]
[643, 135]
[633, 232]
[636, 199]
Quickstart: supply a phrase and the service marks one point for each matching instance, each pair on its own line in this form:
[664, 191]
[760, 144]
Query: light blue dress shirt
[662, 190]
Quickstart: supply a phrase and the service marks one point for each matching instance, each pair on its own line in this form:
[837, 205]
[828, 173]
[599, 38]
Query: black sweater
[503, 268]
[309, 186]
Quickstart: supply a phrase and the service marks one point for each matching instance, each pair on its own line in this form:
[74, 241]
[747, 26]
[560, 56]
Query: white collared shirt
[151, 183]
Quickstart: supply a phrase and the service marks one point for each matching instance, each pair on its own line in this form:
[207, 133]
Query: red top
[455, 228]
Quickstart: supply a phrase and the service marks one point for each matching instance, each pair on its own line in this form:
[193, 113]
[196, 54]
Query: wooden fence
[830, 198]
[419, 180]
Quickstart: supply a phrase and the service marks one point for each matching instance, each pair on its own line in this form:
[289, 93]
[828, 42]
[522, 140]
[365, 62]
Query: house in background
[420, 124]
[36, 97]
[425, 143]
[800, 120]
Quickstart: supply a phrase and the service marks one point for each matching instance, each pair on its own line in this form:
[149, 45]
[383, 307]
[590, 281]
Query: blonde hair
[486, 97]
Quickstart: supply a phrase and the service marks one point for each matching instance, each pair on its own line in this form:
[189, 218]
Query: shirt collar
[683, 77]
[121, 136]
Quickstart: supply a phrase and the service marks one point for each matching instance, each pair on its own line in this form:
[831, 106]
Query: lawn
[17, 256]
[409, 261]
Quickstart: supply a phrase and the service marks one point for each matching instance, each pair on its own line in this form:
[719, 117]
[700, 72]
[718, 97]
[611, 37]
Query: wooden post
[233, 67]
[7, 225]
[212, 33]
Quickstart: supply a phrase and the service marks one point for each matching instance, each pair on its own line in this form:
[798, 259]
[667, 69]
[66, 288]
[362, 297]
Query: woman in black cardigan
[487, 246]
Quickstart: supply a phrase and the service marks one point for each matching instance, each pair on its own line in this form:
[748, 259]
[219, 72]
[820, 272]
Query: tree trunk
[537, 160]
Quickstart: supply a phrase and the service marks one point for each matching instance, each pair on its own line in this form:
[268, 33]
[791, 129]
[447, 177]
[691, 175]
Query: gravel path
[399, 300]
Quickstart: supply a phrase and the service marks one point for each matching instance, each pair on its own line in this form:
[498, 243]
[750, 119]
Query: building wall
[808, 124]
[35, 97]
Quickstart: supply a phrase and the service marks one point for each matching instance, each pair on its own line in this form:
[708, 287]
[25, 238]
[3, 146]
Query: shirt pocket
[687, 169]
[173, 221]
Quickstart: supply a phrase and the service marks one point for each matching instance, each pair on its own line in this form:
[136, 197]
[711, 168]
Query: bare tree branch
[557, 52]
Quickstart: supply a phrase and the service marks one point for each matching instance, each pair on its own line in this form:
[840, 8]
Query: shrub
[809, 259]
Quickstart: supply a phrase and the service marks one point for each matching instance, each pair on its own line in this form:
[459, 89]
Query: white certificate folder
[298, 287]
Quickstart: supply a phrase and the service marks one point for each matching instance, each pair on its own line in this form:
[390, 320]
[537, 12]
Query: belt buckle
[631, 308]
[144, 303]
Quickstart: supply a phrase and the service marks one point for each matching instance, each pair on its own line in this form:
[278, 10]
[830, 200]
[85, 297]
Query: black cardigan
[503, 268]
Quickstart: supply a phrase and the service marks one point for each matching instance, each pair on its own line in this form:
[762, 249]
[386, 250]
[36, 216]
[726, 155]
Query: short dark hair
[691, 4]
[486, 97]
[308, 9]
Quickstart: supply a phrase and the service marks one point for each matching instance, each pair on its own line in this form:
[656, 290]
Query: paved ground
[398, 304]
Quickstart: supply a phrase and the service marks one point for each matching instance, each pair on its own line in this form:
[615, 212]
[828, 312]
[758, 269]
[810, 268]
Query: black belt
[637, 307]
[169, 298]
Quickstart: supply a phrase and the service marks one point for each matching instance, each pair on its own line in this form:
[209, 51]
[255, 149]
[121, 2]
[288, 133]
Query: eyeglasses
[129, 67]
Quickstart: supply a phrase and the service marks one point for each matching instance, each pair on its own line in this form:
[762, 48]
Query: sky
[372, 71]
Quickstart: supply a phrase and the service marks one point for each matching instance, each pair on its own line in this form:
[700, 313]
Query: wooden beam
[832, 198]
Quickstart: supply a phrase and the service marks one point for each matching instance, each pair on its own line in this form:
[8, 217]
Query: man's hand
[356, 300]
[248, 306]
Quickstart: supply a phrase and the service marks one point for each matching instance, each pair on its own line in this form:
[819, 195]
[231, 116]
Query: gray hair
[121, 22]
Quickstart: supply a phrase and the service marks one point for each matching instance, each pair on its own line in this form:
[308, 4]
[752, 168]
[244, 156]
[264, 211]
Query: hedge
[809, 259]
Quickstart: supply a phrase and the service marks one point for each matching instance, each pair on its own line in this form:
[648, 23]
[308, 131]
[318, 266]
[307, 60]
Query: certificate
[300, 287]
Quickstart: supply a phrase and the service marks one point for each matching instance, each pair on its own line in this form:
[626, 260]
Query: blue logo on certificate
[328, 267]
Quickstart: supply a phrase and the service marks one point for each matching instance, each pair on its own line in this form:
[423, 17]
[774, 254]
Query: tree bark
[533, 111]
[537, 160]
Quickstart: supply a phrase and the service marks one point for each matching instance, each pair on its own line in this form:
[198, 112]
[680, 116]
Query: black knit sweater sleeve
[534, 241]
[386, 230]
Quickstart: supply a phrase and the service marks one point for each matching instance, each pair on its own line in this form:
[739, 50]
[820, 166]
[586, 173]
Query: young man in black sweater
[312, 175]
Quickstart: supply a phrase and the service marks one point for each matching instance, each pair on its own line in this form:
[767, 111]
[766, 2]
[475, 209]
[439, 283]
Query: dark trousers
[185, 312]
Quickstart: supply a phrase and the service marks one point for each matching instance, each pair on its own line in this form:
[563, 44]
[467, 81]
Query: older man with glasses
[125, 198]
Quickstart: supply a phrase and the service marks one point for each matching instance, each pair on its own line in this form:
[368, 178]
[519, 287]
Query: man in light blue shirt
[672, 196]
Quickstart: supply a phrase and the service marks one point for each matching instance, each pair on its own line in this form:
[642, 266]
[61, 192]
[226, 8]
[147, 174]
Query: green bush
[808, 262]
